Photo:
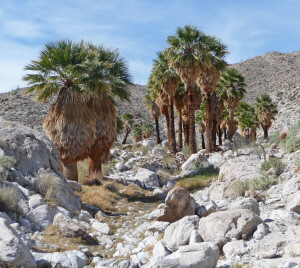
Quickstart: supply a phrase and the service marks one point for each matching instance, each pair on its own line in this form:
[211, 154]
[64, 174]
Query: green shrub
[297, 161]
[147, 130]
[239, 187]
[275, 138]
[264, 182]
[273, 163]
[9, 200]
[137, 132]
[6, 162]
[292, 142]
[201, 170]
[48, 186]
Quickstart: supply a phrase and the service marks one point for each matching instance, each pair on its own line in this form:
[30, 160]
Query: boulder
[13, 251]
[159, 252]
[216, 160]
[294, 203]
[146, 179]
[148, 143]
[74, 259]
[223, 226]
[70, 228]
[178, 233]
[246, 203]
[189, 165]
[101, 227]
[75, 186]
[261, 232]
[235, 248]
[42, 216]
[36, 201]
[178, 204]
[158, 227]
[159, 152]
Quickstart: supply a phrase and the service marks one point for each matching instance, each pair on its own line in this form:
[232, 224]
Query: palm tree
[154, 112]
[213, 64]
[247, 119]
[128, 121]
[179, 100]
[265, 110]
[82, 121]
[231, 90]
[183, 53]
[167, 78]
[200, 120]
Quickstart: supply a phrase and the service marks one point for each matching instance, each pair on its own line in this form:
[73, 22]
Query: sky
[139, 29]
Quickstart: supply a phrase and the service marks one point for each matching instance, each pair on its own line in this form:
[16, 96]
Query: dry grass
[197, 182]
[107, 195]
[169, 160]
[9, 200]
[48, 186]
[83, 171]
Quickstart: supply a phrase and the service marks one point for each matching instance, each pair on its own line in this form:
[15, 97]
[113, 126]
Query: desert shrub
[275, 138]
[137, 132]
[292, 141]
[6, 162]
[192, 183]
[147, 130]
[48, 186]
[8, 199]
[264, 182]
[239, 187]
[169, 160]
[297, 161]
[273, 163]
[210, 170]
[185, 150]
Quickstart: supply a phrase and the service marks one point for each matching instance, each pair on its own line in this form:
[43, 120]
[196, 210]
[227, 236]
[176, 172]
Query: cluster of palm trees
[82, 121]
[191, 75]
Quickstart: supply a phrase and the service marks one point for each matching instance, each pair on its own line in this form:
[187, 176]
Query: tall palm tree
[265, 109]
[183, 53]
[154, 112]
[128, 120]
[231, 90]
[213, 64]
[179, 100]
[200, 120]
[167, 78]
[82, 121]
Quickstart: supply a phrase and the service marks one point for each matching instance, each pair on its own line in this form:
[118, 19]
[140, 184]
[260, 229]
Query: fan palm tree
[200, 120]
[213, 64]
[82, 121]
[183, 53]
[265, 109]
[179, 100]
[154, 112]
[128, 120]
[231, 90]
[167, 78]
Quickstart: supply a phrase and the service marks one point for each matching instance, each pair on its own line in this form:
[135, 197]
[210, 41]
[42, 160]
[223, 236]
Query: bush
[264, 182]
[185, 150]
[6, 162]
[297, 161]
[239, 187]
[292, 141]
[8, 200]
[275, 138]
[147, 130]
[273, 163]
[210, 170]
[48, 186]
[137, 132]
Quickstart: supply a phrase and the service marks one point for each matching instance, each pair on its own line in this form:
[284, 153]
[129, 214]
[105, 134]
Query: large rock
[70, 228]
[159, 152]
[216, 159]
[72, 259]
[42, 216]
[235, 248]
[179, 203]
[189, 165]
[146, 179]
[178, 233]
[159, 252]
[294, 203]
[223, 226]
[246, 203]
[13, 251]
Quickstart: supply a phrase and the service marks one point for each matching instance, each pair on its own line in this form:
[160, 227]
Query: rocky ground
[244, 218]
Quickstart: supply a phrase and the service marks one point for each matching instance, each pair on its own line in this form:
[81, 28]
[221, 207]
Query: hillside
[274, 73]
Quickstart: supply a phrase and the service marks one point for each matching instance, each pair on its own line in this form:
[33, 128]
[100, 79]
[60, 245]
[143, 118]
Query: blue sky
[139, 28]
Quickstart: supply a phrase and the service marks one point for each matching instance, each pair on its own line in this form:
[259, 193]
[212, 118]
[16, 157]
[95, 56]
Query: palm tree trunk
[172, 141]
[208, 129]
[125, 138]
[225, 134]
[95, 164]
[214, 118]
[168, 125]
[214, 133]
[192, 131]
[203, 141]
[186, 133]
[265, 127]
[70, 171]
[220, 134]
[158, 141]
[180, 131]
[230, 124]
